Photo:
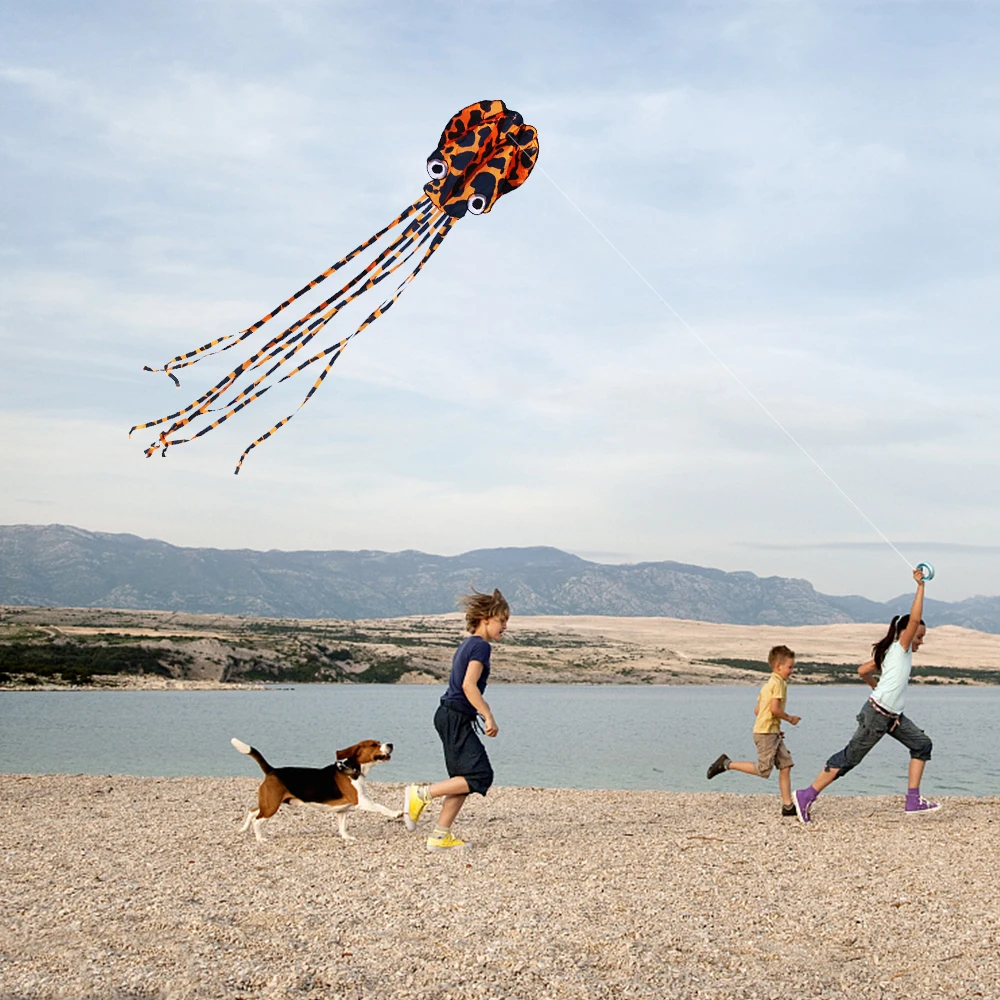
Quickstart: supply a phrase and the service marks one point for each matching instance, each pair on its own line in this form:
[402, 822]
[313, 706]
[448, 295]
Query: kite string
[694, 333]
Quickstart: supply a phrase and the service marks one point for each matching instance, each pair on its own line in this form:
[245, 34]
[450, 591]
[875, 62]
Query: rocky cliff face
[70, 567]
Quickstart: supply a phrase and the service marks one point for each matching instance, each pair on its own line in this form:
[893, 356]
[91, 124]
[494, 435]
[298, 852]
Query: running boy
[767, 734]
[456, 720]
[882, 714]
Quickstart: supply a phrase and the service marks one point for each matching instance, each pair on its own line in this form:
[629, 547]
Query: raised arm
[916, 612]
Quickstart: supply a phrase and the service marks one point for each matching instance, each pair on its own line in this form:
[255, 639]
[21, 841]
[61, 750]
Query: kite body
[484, 152]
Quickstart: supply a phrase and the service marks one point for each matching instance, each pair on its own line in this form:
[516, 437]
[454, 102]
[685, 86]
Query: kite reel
[927, 569]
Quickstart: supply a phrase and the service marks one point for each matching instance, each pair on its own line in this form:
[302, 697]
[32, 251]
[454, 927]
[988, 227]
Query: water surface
[569, 736]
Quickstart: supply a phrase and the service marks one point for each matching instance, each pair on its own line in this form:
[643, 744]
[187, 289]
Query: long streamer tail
[336, 350]
[425, 231]
[390, 259]
[205, 351]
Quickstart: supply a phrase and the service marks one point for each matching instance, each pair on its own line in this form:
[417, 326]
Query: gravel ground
[141, 887]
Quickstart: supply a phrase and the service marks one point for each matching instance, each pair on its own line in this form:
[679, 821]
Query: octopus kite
[485, 151]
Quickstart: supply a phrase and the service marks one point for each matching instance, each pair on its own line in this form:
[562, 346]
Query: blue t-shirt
[473, 648]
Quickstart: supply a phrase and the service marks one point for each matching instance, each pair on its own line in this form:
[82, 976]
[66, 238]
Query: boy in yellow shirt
[767, 734]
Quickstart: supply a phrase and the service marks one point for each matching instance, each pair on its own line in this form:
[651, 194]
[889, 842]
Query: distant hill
[57, 565]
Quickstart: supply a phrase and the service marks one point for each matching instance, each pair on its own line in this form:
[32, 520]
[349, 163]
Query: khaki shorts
[771, 753]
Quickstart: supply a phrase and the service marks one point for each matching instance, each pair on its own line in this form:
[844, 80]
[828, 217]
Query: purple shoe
[916, 805]
[803, 800]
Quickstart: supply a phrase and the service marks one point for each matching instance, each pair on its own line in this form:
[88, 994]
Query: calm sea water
[550, 735]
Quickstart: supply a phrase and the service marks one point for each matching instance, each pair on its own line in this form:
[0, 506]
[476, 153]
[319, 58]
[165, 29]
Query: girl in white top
[887, 673]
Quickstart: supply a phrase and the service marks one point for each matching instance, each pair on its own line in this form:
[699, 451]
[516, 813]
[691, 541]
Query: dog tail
[257, 756]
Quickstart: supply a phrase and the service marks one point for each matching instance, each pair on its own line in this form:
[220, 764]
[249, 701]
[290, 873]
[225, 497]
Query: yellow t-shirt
[774, 687]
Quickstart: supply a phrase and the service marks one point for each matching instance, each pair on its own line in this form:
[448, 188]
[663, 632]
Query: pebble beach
[125, 887]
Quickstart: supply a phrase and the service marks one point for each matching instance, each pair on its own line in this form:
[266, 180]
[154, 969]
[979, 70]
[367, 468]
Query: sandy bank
[139, 887]
[693, 640]
[223, 650]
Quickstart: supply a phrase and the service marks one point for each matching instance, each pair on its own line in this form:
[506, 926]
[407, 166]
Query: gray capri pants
[872, 726]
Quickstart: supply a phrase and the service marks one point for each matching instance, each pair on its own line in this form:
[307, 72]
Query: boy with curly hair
[457, 719]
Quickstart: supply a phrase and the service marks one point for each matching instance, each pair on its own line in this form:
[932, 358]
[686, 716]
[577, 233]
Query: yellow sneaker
[413, 806]
[444, 843]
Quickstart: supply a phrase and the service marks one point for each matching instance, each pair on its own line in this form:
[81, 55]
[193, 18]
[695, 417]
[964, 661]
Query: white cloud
[180, 114]
[824, 219]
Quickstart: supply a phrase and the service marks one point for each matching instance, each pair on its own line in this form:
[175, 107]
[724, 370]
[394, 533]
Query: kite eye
[477, 204]
[436, 169]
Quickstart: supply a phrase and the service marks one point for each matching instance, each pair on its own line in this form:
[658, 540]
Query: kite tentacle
[205, 401]
[193, 356]
[402, 244]
[314, 329]
[378, 270]
[439, 234]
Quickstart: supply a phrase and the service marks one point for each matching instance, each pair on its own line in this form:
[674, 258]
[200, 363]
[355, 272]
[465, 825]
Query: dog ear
[348, 753]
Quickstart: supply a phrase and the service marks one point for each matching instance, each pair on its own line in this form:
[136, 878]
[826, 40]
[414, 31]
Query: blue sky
[811, 186]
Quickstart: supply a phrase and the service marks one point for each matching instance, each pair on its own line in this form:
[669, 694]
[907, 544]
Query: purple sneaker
[916, 805]
[803, 800]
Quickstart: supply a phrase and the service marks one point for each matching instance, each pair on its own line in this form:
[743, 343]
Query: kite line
[708, 347]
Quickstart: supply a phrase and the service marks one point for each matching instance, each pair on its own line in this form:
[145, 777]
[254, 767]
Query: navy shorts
[872, 726]
[464, 753]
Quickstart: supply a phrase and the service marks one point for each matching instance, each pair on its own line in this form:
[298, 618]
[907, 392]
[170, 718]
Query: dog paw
[398, 815]
[348, 839]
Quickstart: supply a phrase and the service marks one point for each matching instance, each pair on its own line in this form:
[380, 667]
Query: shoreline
[148, 684]
[146, 888]
[769, 792]
[161, 684]
[57, 645]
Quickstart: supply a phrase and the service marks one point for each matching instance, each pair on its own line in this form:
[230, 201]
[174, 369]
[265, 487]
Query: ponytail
[882, 646]
[896, 627]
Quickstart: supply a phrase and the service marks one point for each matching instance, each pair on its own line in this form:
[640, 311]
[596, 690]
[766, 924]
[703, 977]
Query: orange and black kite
[485, 151]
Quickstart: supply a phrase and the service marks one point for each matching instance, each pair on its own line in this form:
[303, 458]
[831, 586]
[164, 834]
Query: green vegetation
[385, 671]
[77, 663]
[407, 640]
[845, 673]
[986, 675]
[277, 628]
[831, 673]
[324, 669]
[331, 655]
[116, 639]
[294, 673]
[348, 632]
[542, 639]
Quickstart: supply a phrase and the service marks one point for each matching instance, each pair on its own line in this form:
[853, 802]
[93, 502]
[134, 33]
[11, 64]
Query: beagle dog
[341, 785]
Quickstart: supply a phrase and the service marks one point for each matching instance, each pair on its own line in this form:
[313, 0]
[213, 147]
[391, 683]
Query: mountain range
[62, 566]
